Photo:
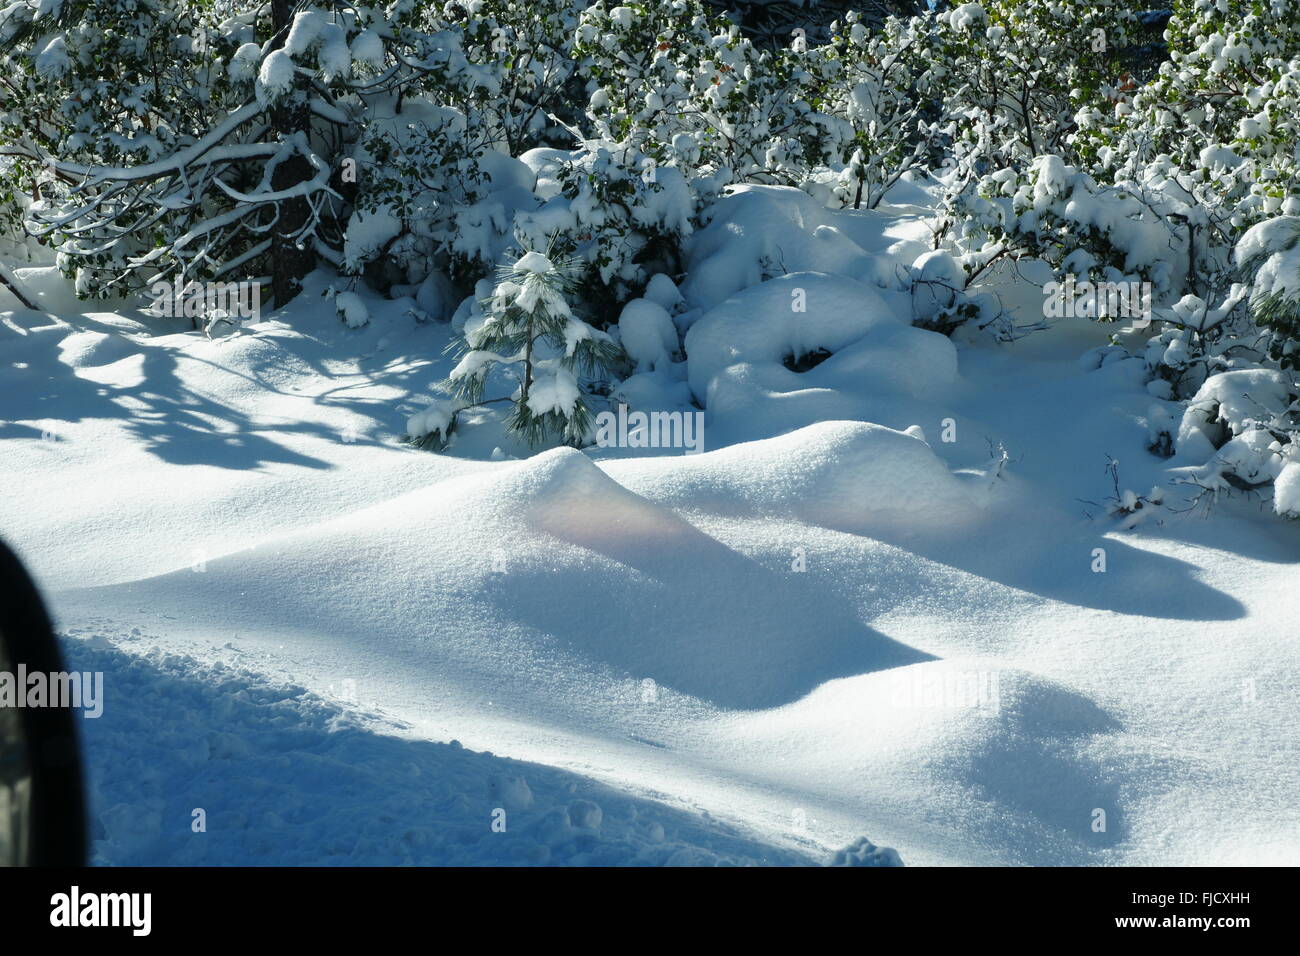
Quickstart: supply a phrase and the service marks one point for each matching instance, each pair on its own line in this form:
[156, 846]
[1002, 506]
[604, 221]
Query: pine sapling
[528, 326]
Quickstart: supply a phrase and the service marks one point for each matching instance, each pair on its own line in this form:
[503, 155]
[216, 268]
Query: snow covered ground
[846, 617]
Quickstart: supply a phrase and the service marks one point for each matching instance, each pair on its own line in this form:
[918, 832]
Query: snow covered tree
[173, 138]
[1270, 253]
[1015, 76]
[883, 93]
[209, 140]
[1210, 140]
[526, 327]
[498, 82]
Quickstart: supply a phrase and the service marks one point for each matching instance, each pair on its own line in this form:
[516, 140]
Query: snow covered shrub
[1196, 342]
[107, 103]
[527, 327]
[1230, 82]
[682, 105]
[1014, 76]
[1270, 252]
[191, 140]
[1127, 506]
[232, 139]
[880, 91]
[466, 90]
[522, 53]
[1245, 425]
[679, 105]
[1213, 133]
[1123, 233]
[686, 89]
[15, 194]
[620, 215]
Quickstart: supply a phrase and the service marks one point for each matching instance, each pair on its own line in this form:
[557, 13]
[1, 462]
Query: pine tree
[527, 324]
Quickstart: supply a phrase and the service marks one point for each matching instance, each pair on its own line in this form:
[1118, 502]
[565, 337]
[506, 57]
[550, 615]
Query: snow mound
[647, 606]
[90, 349]
[760, 231]
[843, 475]
[352, 309]
[937, 280]
[1241, 396]
[970, 738]
[779, 319]
[648, 334]
[1286, 490]
[896, 358]
[663, 290]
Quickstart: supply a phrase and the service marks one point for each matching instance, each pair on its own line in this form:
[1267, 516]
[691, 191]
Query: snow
[1228, 403]
[243, 65]
[436, 418]
[789, 316]
[647, 333]
[757, 231]
[52, 61]
[844, 475]
[533, 262]
[368, 49]
[368, 232]
[352, 308]
[866, 853]
[258, 756]
[967, 15]
[334, 58]
[303, 32]
[1286, 490]
[1277, 243]
[850, 615]
[554, 389]
[276, 76]
[663, 292]
[938, 278]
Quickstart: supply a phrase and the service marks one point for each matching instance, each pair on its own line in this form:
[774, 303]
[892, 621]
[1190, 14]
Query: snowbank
[843, 475]
[762, 231]
[782, 318]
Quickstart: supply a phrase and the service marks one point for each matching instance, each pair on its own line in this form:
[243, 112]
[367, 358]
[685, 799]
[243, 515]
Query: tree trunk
[292, 257]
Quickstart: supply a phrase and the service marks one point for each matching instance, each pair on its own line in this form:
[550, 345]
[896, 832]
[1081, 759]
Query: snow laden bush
[1014, 76]
[527, 330]
[491, 81]
[1125, 232]
[173, 138]
[1196, 341]
[619, 214]
[684, 88]
[1228, 96]
[1208, 146]
[1270, 253]
[106, 105]
[1157, 183]
[879, 86]
[682, 105]
[1245, 426]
